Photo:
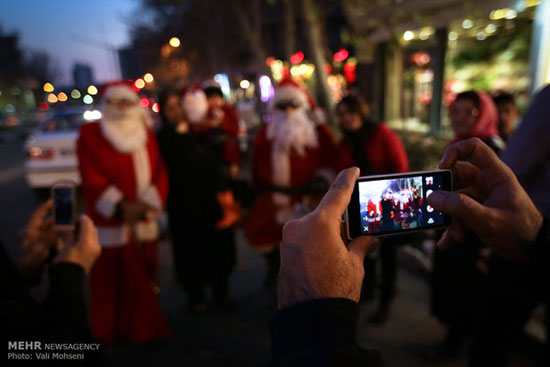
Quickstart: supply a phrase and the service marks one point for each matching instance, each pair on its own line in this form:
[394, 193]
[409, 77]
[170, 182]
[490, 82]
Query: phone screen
[63, 202]
[394, 204]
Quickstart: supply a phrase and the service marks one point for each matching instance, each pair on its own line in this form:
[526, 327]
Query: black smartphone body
[64, 205]
[391, 204]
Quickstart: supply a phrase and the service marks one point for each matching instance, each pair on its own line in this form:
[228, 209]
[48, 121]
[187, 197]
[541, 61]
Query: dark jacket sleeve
[319, 333]
[540, 252]
[62, 316]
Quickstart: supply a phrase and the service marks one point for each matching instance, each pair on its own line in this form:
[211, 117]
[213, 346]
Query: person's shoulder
[90, 128]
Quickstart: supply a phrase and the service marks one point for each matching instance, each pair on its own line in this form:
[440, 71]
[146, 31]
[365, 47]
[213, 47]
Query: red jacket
[383, 149]
[108, 176]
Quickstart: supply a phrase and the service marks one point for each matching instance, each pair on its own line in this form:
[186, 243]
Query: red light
[270, 60]
[156, 107]
[341, 55]
[297, 58]
[350, 72]
[43, 106]
[144, 102]
[328, 68]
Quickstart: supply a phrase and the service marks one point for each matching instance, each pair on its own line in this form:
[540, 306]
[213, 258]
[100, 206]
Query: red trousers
[122, 302]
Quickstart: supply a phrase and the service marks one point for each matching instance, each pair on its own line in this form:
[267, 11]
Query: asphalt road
[239, 337]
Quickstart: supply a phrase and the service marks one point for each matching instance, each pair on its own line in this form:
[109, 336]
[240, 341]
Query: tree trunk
[312, 31]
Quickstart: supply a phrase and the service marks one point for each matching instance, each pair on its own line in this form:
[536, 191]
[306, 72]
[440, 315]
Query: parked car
[51, 154]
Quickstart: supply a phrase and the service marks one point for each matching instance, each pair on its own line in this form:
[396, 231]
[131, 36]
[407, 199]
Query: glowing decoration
[481, 36]
[408, 35]
[297, 58]
[266, 89]
[341, 55]
[148, 78]
[511, 14]
[75, 93]
[223, 80]
[304, 71]
[453, 36]
[491, 28]
[139, 84]
[328, 68]
[467, 23]
[269, 61]
[277, 69]
[244, 84]
[48, 87]
[174, 42]
[155, 107]
[52, 98]
[426, 33]
[62, 97]
[350, 72]
[88, 99]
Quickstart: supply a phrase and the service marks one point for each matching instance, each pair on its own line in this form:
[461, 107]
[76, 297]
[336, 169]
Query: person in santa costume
[290, 156]
[125, 185]
[373, 215]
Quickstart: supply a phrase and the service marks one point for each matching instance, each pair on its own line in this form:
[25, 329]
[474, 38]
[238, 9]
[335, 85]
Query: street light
[148, 77]
[174, 42]
[62, 97]
[244, 84]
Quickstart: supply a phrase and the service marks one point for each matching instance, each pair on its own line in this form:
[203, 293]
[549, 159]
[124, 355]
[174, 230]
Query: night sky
[53, 26]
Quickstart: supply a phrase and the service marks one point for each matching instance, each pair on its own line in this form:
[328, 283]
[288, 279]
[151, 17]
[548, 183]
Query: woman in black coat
[193, 210]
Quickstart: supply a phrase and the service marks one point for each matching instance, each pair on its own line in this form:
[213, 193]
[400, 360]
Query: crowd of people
[489, 266]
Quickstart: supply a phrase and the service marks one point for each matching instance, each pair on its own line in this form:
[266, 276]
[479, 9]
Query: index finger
[472, 150]
[39, 214]
[338, 196]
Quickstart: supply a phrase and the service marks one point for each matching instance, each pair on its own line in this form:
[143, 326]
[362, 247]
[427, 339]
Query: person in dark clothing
[508, 114]
[200, 256]
[318, 312]
[375, 149]
[62, 316]
[460, 272]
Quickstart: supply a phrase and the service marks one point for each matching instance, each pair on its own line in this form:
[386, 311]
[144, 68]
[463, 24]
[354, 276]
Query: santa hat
[122, 89]
[195, 103]
[288, 90]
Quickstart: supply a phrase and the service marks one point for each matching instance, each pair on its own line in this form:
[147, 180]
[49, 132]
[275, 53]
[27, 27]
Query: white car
[51, 151]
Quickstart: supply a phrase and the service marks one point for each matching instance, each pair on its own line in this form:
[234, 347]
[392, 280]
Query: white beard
[293, 131]
[288, 132]
[125, 130]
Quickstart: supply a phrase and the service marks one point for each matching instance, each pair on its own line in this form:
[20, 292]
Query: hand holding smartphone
[64, 205]
[390, 204]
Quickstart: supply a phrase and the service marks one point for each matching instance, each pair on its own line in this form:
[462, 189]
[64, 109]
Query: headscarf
[486, 125]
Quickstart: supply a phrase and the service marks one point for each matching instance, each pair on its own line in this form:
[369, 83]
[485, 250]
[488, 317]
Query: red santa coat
[262, 228]
[122, 301]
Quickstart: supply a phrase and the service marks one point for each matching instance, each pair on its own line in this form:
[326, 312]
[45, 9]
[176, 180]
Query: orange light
[48, 87]
[52, 98]
[174, 42]
[62, 97]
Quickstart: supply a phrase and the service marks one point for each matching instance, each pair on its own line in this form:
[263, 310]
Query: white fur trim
[120, 92]
[317, 115]
[146, 231]
[151, 197]
[142, 170]
[108, 200]
[113, 236]
[195, 105]
[289, 93]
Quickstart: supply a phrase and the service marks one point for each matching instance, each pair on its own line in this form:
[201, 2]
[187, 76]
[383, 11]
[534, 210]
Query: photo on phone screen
[63, 206]
[383, 205]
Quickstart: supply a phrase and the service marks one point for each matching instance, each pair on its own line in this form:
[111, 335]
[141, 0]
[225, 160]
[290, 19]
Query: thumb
[88, 231]
[362, 246]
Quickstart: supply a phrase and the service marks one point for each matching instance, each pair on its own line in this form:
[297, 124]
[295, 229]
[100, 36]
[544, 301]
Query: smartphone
[397, 203]
[64, 205]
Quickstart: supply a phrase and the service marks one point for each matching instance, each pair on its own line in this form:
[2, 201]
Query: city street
[238, 337]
